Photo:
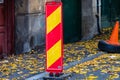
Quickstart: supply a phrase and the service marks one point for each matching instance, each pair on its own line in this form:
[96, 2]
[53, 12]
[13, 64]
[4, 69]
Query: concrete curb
[38, 76]
[41, 75]
[83, 60]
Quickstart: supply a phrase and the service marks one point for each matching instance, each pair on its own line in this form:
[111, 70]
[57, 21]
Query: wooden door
[2, 28]
[6, 26]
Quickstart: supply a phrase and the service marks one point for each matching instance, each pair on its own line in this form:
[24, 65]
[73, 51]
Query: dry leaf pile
[79, 50]
[106, 64]
[18, 67]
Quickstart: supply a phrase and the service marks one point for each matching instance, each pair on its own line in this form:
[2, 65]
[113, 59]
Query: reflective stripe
[54, 19]
[53, 54]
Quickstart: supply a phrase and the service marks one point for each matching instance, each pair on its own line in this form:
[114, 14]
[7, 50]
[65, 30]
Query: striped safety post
[54, 38]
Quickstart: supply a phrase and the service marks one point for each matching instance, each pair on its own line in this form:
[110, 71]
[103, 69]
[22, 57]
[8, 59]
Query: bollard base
[60, 77]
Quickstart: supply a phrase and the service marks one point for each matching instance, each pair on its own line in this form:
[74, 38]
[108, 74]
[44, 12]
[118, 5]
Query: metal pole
[98, 17]
[53, 0]
[58, 0]
[110, 6]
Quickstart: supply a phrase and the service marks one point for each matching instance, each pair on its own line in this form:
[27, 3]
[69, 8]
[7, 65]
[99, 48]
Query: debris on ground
[19, 67]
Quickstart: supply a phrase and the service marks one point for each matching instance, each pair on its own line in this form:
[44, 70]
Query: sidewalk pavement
[104, 67]
[82, 59]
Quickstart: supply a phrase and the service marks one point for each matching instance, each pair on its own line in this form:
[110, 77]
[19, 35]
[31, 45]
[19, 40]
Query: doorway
[6, 26]
[71, 20]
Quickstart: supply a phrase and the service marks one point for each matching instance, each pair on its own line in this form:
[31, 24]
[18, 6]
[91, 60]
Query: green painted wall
[71, 20]
[110, 12]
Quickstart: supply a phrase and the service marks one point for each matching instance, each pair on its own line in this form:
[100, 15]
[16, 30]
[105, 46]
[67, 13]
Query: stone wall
[30, 25]
[89, 19]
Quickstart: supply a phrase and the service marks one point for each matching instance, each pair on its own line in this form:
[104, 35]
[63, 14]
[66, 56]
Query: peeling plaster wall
[30, 25]
[89, 20]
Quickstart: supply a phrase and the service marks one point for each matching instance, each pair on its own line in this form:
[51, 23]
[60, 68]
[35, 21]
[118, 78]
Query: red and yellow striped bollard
[54, 38]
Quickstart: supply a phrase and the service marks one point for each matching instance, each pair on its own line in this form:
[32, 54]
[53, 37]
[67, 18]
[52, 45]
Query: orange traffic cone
[114, 36]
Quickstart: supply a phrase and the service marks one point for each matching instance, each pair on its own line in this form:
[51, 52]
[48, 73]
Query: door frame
[9, 23]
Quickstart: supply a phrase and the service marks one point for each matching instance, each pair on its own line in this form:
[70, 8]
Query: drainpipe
[98, 18]
[110, 7]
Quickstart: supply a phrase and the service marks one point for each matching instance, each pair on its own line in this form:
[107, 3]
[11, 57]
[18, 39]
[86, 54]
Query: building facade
[24, 22]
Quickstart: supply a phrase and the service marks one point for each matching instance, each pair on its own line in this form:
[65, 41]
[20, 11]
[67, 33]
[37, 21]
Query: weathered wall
[30, 25]
[89, 20]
